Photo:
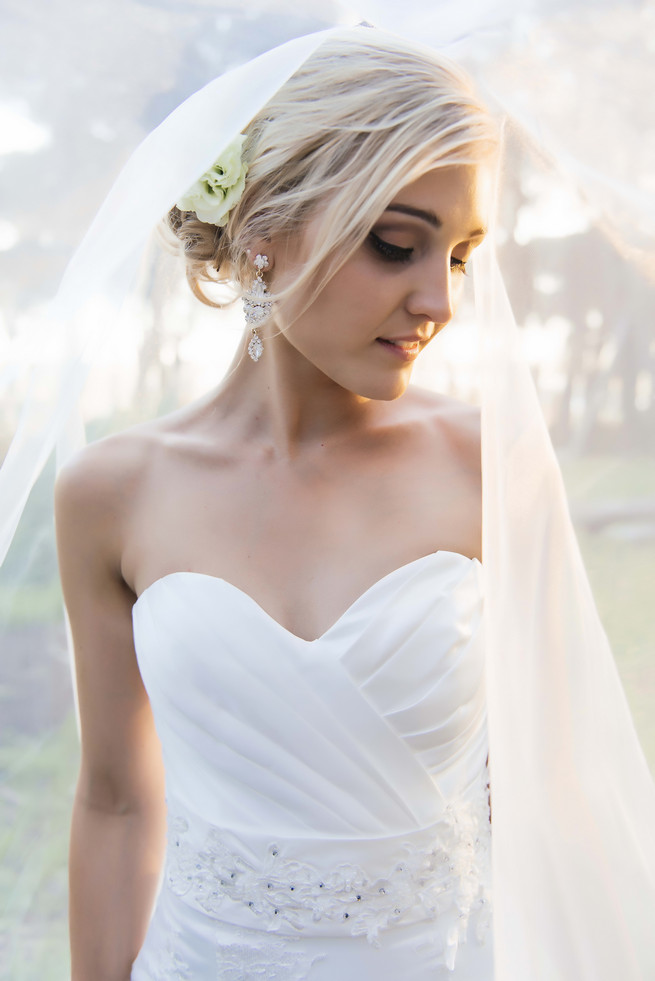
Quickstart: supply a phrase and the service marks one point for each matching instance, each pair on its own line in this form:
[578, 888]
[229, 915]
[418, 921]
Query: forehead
[458, 195]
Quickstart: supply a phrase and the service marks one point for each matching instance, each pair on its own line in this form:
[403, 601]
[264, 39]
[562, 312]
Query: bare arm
[118, 820]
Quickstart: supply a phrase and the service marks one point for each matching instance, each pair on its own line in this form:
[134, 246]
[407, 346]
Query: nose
[434, 294]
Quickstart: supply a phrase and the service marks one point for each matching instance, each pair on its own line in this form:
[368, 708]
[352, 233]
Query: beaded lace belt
[352, 887]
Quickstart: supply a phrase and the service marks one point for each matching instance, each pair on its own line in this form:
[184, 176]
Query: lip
[403, 348]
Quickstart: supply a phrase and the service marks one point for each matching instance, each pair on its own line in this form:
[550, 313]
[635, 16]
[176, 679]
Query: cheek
[353, 296]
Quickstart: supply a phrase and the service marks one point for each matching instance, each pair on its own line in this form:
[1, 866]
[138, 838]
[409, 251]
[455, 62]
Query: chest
[304, 540]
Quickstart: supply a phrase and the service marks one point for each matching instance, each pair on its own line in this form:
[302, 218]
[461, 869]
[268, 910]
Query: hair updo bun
[204, 247]
[364, 115]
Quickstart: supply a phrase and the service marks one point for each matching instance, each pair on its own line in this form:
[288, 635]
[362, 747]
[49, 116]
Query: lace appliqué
[272, 961]
[449, 874]
[170, 966]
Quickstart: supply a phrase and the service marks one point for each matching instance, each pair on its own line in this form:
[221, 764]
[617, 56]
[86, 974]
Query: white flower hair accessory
[213, 195]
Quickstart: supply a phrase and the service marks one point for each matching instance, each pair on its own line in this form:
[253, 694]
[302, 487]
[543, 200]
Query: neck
[285, 402]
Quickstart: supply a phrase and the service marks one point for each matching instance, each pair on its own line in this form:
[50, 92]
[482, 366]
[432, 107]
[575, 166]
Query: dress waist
[335, 886]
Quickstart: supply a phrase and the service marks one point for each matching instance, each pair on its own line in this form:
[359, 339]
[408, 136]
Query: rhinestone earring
[257, 307]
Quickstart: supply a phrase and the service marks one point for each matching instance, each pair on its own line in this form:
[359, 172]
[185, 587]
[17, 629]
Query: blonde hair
[366, 114]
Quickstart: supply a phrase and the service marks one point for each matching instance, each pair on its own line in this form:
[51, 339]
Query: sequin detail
[448, 872]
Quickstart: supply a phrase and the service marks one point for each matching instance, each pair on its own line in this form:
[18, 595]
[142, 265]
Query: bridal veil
[573, 800]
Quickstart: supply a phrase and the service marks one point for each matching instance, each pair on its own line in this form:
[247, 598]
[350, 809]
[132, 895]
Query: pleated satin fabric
[292, 761]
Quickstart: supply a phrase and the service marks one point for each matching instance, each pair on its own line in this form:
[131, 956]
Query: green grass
[622, 576]
[33, 603]
[606, 477]
[35, 801]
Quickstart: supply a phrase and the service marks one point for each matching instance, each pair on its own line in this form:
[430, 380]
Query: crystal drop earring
[257, 306]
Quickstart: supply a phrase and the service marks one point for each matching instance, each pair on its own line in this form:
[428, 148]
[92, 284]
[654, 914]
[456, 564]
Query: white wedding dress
[328, 801]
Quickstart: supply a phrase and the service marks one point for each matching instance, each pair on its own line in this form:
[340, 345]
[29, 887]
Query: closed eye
[458, 264]
[387, 251]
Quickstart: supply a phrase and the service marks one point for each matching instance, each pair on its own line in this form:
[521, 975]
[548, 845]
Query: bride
[275, 594]
[315, 498]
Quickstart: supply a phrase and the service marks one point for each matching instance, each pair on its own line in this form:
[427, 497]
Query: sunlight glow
[18, 133]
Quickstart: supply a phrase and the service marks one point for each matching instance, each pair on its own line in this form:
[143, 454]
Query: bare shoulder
[108, 474]
[440, 451]
[98, 489]
[104, 475]
[449, 419]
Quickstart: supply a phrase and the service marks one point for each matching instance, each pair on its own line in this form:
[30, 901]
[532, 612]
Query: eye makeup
[388, 252]
[397, 253]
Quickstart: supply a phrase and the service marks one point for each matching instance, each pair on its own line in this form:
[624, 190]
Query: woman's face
[370, 322]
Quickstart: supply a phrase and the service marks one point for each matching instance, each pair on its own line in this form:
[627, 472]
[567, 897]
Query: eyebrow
[429, 217]
[407, 209]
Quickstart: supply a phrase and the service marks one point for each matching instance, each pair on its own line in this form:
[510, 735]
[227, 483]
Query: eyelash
[395, 253]
[389, 252]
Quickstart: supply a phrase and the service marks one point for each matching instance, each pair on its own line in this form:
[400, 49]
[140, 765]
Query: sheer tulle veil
[573, 800]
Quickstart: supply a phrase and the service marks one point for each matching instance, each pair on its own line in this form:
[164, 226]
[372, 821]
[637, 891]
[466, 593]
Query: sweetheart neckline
[296, 637]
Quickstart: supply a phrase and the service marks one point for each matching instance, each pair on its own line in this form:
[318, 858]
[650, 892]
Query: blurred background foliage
[582, 293]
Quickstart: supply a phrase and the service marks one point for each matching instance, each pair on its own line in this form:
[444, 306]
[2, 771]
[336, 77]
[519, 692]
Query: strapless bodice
[328, 788]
